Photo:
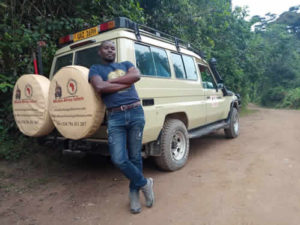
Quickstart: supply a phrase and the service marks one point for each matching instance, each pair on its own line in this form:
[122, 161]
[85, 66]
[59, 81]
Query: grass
[36, 182]
[245, 111]
[7, 187]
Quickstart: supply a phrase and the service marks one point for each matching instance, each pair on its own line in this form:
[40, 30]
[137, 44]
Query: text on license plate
[85, 34]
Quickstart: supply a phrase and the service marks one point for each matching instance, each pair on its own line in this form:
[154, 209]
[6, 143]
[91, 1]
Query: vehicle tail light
[65, 39]
[107, 26]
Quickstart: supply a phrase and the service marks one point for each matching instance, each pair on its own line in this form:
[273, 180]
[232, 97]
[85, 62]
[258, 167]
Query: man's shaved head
[103, 43]
[107, 51]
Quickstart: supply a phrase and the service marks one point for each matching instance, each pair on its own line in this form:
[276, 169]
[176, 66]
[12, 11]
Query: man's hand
[132, 76]
[106, 87]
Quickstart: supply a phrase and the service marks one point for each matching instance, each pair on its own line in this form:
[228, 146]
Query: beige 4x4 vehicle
[182, 95]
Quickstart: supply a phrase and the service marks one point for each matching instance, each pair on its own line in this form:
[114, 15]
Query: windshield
[87, 57]
[62, 61]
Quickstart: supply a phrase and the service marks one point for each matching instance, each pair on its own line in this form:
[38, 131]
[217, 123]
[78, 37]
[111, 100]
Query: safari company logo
[72, 87]
[28, 91]
[58, 92]
[18, 93]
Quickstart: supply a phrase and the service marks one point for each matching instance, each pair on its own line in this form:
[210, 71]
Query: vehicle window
[208, 81]
[178, 66]
[191, 73]
[87, 57]
[62, 61]
[161, 62]
[144, 60]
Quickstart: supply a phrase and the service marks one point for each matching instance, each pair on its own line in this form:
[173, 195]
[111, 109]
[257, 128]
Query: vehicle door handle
[148, 102]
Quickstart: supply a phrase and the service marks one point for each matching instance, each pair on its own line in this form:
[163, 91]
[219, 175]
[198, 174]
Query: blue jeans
[125, 132]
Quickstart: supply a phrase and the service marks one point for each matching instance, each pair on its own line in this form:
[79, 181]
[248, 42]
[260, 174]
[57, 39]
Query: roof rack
[123, 22]
[177, 41]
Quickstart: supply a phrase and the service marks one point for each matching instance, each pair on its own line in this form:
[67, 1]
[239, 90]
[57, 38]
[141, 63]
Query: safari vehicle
[183, 95]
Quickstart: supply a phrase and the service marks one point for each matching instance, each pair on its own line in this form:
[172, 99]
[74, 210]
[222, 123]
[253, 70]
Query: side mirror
[213, 61]
[220, 85]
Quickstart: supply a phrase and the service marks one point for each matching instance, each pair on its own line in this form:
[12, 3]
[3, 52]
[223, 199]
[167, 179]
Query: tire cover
[30, 105]
[77, 111]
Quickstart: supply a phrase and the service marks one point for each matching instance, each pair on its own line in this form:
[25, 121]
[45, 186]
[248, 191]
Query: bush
[273, 97]
[14, 148]
[292, 99]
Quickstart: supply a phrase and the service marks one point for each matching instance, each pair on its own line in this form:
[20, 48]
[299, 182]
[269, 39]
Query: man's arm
[106, 87]
[132, 76]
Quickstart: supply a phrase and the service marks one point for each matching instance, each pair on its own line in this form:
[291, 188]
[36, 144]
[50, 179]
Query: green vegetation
[245, 111]
[10, 149]
[258, 58]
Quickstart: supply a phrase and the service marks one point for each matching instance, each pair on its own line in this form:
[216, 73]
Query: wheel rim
[236, 124]
[178, 145]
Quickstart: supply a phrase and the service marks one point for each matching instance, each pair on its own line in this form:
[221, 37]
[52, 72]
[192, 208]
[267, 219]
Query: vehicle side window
[178, 66]
[191, 73]
[152, 61]
[208, 81]
[144, 60]
[87, 57]
[161, 62]
[62, 61]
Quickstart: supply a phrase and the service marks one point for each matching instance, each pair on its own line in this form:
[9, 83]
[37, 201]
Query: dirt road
[251, 180]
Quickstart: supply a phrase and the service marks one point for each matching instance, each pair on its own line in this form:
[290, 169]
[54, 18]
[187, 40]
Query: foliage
[279, 40]
[291, 99]
[10, 149]
[272, 96]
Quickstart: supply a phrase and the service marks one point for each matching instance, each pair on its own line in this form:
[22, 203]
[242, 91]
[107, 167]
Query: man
[115, 83]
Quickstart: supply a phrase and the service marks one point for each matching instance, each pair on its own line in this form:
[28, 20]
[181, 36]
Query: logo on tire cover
[28, 91]
[58, 91]
[72, 87]
[18, 93]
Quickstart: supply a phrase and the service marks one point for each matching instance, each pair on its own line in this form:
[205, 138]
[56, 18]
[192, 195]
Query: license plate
[85, 34]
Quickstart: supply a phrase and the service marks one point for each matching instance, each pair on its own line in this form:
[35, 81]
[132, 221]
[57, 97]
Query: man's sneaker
[135, 206]
[148, 192]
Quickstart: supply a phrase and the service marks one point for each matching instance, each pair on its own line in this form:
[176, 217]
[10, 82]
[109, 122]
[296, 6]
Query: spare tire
[30, 105]
[76, 109]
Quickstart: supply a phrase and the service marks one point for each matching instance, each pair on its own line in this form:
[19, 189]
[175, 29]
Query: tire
[30, 105]
[233, 130]
[174, 146]
[75, 108]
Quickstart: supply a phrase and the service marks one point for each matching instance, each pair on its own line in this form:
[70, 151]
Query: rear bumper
[88, 145]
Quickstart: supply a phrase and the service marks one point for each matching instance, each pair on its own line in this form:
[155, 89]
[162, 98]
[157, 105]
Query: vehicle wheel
[233, 130]
[174, 145]
[73, 81]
